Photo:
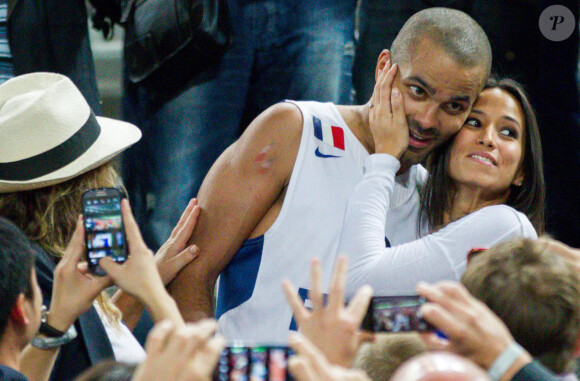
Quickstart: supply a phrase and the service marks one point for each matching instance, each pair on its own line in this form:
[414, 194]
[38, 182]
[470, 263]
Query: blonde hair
[380, 359]
[48, 216]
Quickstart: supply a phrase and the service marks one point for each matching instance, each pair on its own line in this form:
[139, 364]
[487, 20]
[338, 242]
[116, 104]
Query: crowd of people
[433, 186]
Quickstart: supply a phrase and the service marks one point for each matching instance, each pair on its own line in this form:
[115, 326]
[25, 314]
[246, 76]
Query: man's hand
[309, 364]
[333, 328]
[183, 353]
[473, 330]
[387, 120]
[174, 255]
[74, 288]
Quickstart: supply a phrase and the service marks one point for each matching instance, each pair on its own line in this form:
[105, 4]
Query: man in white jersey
[276, 197]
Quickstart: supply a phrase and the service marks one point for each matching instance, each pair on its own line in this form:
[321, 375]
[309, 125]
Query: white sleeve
[435, 257]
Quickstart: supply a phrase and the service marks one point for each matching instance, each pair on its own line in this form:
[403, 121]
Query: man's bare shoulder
[282, 118]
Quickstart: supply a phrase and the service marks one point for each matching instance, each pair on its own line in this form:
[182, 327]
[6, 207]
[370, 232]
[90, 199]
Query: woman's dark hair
[527, 198]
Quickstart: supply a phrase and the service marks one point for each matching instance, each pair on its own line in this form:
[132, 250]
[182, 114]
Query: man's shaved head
[457, 33]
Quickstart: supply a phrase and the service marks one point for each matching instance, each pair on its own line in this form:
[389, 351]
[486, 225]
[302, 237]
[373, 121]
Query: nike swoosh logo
[320, 154]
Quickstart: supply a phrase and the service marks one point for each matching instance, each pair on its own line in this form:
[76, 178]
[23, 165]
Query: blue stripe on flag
[317, 127]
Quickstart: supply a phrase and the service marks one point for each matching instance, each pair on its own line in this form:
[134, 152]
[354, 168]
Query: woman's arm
[435, 257]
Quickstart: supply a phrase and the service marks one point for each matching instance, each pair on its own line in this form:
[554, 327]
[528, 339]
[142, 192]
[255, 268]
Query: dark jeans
[282, 49]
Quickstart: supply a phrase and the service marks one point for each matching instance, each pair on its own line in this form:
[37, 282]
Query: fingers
[376, 97]
[134, 238]
[301, 369]
[183, 217]
[315, 293]
[184, 257]
[186, 229]
[300, 312]
[450, 295]
[337, 285]
[359, 304]
[188, 339]
[157, 338]
[76, 247]
[398, 108]
[112, 268]
[386, 84]
[309, 351]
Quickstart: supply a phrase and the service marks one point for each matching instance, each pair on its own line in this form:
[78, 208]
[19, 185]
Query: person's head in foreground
[444, 59]
[537, 295]
[19, 293]
[52, 149]
[435, 366]
[496, 158]
[381, 358]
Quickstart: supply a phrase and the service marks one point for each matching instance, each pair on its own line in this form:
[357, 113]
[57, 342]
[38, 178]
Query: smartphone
[396, 314]
[104, 230]
[253, 363]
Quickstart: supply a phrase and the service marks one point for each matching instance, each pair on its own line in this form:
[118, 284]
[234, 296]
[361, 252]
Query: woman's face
[488, 150]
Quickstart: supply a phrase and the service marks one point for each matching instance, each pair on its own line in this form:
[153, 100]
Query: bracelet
[45, 328]
[52, 342]
[504, 361]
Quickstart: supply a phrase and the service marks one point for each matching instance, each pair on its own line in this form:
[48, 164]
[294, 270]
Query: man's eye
[417, 91]
[473, 122]
[454, 107]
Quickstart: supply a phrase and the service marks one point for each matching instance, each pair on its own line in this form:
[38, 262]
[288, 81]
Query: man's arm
[236, 195]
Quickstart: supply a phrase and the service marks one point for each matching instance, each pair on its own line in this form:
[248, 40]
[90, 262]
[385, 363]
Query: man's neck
[357, 119]
[10, 350]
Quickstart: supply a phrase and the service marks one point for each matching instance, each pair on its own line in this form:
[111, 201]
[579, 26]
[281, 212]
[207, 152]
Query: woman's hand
[334, 328]
[74, 288]
[173, 255]
[387, 118]
[183, 353]
[310, 364]
[138, 275]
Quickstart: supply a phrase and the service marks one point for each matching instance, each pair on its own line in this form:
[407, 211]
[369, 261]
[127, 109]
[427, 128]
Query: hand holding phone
[396, 314]
[104, 229]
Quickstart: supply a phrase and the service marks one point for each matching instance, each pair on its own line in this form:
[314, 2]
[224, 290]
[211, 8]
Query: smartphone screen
[239, 364]
[254, 363]
[104, 231]
[395, 314]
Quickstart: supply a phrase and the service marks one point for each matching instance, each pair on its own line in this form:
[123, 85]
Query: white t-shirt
[438, 256]
[125, 346]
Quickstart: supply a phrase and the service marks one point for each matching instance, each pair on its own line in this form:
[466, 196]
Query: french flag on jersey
[331, 135]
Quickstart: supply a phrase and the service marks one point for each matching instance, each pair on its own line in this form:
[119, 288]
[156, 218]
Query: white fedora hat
[49, 134]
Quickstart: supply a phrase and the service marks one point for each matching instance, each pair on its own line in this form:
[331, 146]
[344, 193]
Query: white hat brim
[115, 137]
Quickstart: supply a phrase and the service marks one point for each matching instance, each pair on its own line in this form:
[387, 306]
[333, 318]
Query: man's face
[438, 94]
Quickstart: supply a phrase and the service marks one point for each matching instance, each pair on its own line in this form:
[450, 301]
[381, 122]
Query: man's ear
[384, 57]
[18, 313]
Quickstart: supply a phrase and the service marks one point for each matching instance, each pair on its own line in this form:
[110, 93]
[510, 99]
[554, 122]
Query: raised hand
[333, 328]
[474, 331]
[138, 275]
[74, 287]
[388, 123]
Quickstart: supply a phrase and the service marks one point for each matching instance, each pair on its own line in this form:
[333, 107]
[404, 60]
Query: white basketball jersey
[251, 305]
